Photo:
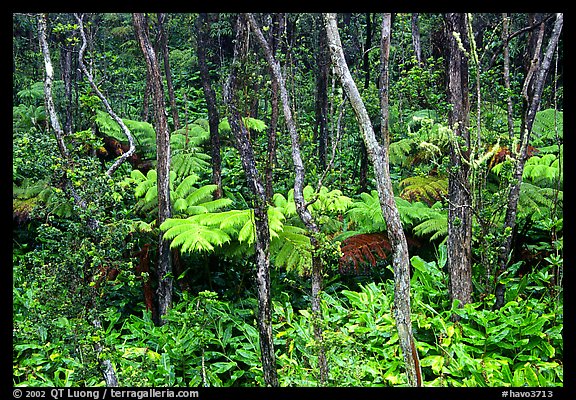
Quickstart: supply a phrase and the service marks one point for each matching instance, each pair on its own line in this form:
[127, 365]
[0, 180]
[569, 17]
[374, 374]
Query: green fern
[292, 249]
[535, 200]
[143, 133]
[424, 188]
[546, 123]
[366, 214]
[252, 124]
[542, 170]
[187, 155]
[191, 237]
[186, 198]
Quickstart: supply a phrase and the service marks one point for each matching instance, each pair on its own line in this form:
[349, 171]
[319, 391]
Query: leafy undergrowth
[207, 341]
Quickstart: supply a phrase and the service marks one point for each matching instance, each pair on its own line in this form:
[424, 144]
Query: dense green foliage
[69, 271]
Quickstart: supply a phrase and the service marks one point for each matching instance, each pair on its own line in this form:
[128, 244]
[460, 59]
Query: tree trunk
[66, 73]
[506, 72]
[165, 55]
[164, 267]
[301, 206]
[366, 58]
[260, 210]
[533, 87]
[111, 112]
[378, 155]
[416, 39]
[275, 34]
[107, 368]
[459, 193]
[213, 115]
[323, 71]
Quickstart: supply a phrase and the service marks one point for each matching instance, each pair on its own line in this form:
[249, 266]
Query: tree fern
[191, 237]
[535, 200]
[543, 170]
[546, 124]
[143, 132]
[424, 188]
[366, 215]
[291, 249]
[187, 155]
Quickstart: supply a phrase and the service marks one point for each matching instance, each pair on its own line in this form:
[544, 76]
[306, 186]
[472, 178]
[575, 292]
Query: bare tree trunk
[505, 30]
[165, 55]
[301, 206]
[213, 115]
[260, 210]
[378, 155]
[107, 368]
[322, 94]
[66, 73]
[275, 34]
[532, 92]
[164, 267]
[459, 193]
[111, 112]
[416, 39]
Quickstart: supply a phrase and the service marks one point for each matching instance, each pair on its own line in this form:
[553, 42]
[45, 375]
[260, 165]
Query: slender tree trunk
[111, 112]
[366, 57]
[165, 55]
[164, 267]
[260, 210]
[506, 53]
[378, 155]
[209, 93]
[66, 73]
[459, 193]
[107, 368]
[532, 92]
[275, 34]
[416, 39]
[301, 206]
[323, 71]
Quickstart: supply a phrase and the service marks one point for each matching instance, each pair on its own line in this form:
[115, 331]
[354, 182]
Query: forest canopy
[287, 199]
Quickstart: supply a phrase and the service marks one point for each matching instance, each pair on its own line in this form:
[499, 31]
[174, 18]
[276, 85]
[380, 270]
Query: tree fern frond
[201, 194]
[436, 226]
[186, 185]
[424, 188]
[192, 237]
[217, 204]
[399, 151]
[291, 249]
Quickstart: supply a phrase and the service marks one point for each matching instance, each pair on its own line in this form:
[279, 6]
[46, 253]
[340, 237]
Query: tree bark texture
[275, 34]
[416, 39]
[534, 85]
[163, 39]
[301, 206]
[322, 74]
[378, 156]
[210, 94]
[459, 193]
[260, 210]
[164, 267]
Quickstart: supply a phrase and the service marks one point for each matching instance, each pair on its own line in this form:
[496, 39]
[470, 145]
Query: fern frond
[424, 188]
[291, 249]
[186, 185]
[400, 150]
[364, 249]
[201, 194]
[367, 213]
[192, 237]
[436, 227]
